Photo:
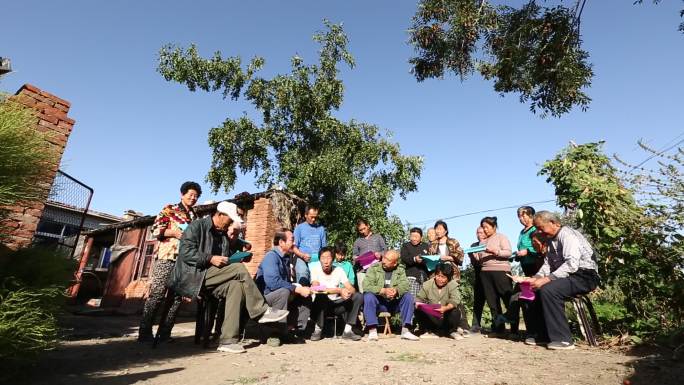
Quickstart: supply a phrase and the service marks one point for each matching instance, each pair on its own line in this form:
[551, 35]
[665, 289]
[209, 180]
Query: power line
[660, 152]
[481, 212]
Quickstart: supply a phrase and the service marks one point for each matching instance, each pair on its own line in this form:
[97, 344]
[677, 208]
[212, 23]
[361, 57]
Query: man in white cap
[203, 261]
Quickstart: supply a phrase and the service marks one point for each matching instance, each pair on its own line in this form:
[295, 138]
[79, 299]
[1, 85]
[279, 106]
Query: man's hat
[229, 209]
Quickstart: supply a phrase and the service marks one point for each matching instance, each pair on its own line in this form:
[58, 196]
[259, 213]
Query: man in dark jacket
[203, 262]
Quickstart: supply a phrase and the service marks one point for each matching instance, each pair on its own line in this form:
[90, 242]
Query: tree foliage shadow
[655, 365]
[80, 363]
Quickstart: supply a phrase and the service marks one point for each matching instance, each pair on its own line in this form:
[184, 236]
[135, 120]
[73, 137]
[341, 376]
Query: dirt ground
[103, 351]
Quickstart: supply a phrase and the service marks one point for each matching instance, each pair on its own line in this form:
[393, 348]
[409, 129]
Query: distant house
[124, 251]
[60, 224]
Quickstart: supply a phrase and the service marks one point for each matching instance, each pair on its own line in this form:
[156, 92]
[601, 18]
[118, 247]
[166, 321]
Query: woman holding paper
[478, 290]
[495, 270]
[168, 228]
[447, 248]
[438, 303]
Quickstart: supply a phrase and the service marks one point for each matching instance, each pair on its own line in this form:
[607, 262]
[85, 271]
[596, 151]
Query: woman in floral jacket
[168, 228]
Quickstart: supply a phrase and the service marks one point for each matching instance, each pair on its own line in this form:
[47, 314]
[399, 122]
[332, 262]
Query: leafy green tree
[532, 50]
[351, 169]
[641, 254]
[25, 158]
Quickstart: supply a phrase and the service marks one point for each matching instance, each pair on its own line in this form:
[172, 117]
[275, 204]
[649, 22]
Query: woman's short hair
[360, 221]
[445, 268]
[489, 220]
[443, 224]
[340, 247]
[527, 210]
[189, 185]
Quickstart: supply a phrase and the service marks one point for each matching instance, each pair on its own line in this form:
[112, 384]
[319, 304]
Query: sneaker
[475, 329]
[316, 335]
[455, 335]
[407, 335]
[530, 341]
[273, 315]
[273, 342]
[351, 336]
[373, 336]
[231, 348]
[464, 332]
[560, 345]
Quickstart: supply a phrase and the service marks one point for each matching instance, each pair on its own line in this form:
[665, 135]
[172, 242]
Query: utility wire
[480, 212]
[658, 153]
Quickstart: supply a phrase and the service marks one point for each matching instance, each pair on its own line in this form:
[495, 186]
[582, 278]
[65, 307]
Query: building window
[147, 258]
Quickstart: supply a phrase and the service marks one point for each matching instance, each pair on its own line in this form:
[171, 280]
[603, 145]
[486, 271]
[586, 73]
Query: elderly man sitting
[203, 262]
[386, 289]
[569, 269]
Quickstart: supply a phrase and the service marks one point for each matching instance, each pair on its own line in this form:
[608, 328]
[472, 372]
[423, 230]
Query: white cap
[229, 209]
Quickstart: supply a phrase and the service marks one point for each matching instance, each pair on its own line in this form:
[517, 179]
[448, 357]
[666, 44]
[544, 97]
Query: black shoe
[291, 338]
[145, 338]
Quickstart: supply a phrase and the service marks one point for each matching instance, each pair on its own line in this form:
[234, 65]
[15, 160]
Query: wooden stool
[388, 325]
[589, 325]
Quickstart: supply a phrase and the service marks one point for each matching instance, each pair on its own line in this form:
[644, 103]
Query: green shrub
[32, 287]
[27, 321]
[26, 157]
[37, 267]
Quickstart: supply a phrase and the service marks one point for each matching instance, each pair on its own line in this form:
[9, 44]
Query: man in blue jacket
[274, 279]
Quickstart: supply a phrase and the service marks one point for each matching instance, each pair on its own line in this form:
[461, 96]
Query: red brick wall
[52, 119]
[261, 226]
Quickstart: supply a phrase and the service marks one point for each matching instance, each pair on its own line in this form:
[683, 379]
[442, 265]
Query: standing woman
[367, 241]
[448, 248]
[530, 262]
[529, 259]
[168, 228]
[478, 290]
[495, 269]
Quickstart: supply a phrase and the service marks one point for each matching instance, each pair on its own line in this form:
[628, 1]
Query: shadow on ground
[655, 365]
[93, 345]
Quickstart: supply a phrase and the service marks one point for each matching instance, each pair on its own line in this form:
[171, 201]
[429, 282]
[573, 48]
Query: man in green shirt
[386, 289]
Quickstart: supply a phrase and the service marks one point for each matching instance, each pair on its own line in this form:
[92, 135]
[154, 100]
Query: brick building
[53, 120]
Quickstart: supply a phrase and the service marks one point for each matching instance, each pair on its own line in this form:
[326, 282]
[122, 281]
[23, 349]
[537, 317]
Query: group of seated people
[302, 279]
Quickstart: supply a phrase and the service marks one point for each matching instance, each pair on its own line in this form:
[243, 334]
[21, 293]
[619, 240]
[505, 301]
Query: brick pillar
[261, 226]
[52, 119]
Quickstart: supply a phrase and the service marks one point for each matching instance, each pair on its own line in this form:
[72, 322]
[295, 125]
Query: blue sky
[138, 137]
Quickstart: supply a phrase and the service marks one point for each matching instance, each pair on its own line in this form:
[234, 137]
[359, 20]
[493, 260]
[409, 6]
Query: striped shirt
[567, 252]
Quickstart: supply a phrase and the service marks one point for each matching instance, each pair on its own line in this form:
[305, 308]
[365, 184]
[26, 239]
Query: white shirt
[333, 280]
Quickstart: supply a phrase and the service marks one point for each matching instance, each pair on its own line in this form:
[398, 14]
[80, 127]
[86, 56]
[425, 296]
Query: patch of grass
[412, 357]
